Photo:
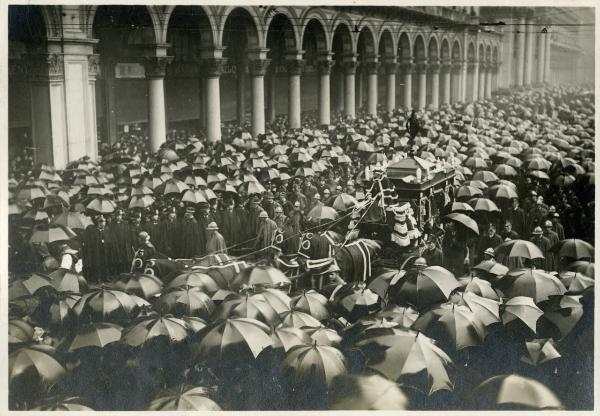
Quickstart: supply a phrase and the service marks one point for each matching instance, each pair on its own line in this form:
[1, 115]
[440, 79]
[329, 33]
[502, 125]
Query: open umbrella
[102, 206]
[102, 304]
[540, 351]
[153, 326]
[98, 334]
[561, 314]
[486, 310]
[62, 404]
[188, 301]
[28, 285]
[311, 302]
[343, 202]
[464, 221]
[483, 205]
[521, 308]
[260, 276]
[461, 207]
[289, 337]
[388, 277]
[467, 192]
[575, 282]
[453, 323]
[248, 306]
[276, 298]
[36, 359]
[51, 233]
[19, 331]
[61, 308]
[511, 392]
[184, 398]
[574, 248]
[298, 319]
[502, 192]
[366, 392]
[504, 170]
[585, 267]
[143, 285]
[67, 281]
[532, 283]
[519, 248]
[73, 220]
[235, 335]
[478, 286]
[421, 288]
[322, 212]
[356, 301]
[407, 357]
[202, 281]
[485, 176]
[405, 316]
[313, 365]
[323, 335]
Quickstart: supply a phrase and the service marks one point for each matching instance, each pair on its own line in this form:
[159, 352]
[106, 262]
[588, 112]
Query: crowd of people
[526, 156]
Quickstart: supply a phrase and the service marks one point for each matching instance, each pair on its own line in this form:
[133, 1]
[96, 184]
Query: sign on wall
[129, 70]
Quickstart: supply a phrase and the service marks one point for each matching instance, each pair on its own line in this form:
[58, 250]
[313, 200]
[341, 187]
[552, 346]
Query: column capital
[407, 66]
[391, 67]
[295, 66]
[213, 67]
[350, 63]
[324, 66]
[421, 66]
[93, 66]
[457, 65]
[258, 67]
[472, 64]
[156, 66]
[445, 65]
[46, 67]
[372, 67]
[435, 66]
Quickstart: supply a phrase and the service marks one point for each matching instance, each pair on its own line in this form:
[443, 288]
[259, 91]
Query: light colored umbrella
[514, 390]
[366, 392]
[522, 308]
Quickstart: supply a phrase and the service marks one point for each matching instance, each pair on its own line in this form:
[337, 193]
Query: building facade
[83, 74]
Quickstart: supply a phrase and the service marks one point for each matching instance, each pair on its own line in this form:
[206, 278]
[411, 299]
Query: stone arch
[433, 50]
[281, 36]
[28, 25]
[445, 49]
[495, 54]
[488, 53]
[342, 39]
[471, 52]
[292, 34]
[343, 25]
[314, 42]
[367, 24]
[419, 52]
[149, 33]
[130, 25]
[194, 21]
[404, 46]
[481, 53]
[241, 15]
[387, 47]
[366, 44]
[316, 19]
[456, 51]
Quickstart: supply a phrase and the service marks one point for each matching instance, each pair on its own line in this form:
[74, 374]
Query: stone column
[421, 68]
[272, 113]
[547, 46]
[156, 68]
[213, 68]
[324, 66]
[391, 67]
[48, 114]
[350, 65]
[508, 50]
[407, 70]
[339, 90]
[475, 91]
[529, 37]
[258, 67]
[372, 67]
[488, 81]
[455, 80]
[481, 88]
[240, 103]
[358, 77]
[446, 69]
[110, 125]
[92, 131]
[294, 66]
[434, 67]
[520, 52]
[541, 47]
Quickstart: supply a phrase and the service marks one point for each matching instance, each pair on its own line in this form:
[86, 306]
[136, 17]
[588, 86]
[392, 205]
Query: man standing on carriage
[413, 127]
